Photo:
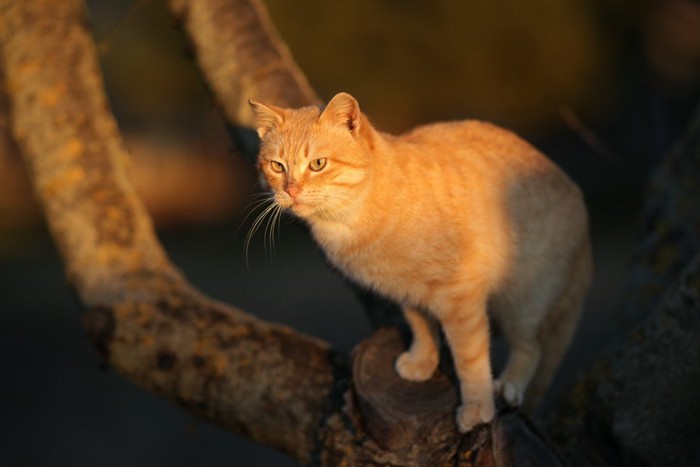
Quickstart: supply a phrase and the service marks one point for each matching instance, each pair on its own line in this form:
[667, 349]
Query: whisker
[269, 227]
[328, 205]
[274, 231]
[256, 225]
[254, 206]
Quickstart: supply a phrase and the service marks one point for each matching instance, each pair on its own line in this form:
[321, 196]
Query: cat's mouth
[300, 208]
[295, 206]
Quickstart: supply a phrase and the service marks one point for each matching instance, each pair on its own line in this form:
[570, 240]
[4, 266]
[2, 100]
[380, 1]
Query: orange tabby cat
[450, 220]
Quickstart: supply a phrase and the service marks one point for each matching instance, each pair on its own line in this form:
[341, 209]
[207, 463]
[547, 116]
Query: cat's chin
[303, 211]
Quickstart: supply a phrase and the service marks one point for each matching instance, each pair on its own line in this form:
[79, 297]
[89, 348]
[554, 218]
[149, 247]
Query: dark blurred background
[603, 87]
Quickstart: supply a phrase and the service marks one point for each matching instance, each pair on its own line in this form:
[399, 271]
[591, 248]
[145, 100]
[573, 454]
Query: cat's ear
[267, 117]
[344, 110]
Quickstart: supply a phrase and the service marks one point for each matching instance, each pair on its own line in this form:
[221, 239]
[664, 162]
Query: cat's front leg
[467, 333]
[420, 361]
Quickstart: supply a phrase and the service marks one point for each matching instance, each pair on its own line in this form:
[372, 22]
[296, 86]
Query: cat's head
[315, 159]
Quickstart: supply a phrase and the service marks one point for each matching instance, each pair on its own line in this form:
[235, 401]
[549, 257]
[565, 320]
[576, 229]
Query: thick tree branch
[266, 382]
[255, 63]
[639, 405]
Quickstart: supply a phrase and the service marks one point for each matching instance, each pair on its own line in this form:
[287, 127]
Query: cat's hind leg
[559, 326]
[524, 358]
[420, 361]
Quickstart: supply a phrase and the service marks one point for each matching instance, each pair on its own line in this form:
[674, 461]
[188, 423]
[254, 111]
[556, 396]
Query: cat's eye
[317, 164]
[277, 166]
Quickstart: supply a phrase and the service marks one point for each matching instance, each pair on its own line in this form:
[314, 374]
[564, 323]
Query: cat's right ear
[267, 117]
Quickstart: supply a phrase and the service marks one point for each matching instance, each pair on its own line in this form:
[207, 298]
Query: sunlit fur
[449, 220]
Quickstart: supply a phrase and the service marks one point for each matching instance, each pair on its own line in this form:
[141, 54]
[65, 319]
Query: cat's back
[463, 129]
[477, 164]
[473, 138]
[477, 148]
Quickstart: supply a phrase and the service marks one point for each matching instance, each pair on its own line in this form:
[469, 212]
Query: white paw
[510, 392]
[413, 369]
[470, 415]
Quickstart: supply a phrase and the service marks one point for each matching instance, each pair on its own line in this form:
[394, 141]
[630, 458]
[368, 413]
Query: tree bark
[242, 56]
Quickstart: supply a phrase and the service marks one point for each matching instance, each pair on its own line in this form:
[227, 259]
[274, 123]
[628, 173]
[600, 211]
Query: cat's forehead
[295, 134]
[300, 122]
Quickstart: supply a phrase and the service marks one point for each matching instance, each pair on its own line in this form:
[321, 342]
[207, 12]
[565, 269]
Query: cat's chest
[342, 246]
[347, 250]
[372, 262]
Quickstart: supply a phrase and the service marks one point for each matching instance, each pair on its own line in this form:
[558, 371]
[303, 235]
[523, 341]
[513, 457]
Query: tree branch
[639, 405]
[254, 64]
[260, 380]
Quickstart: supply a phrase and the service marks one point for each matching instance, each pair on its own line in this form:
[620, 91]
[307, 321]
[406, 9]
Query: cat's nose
[293, 190]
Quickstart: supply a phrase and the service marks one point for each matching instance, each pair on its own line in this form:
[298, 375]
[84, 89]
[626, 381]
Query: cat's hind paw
[510, 393]
[415, 369]
[470, 415]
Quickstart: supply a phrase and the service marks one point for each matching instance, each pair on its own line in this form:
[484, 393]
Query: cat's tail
[557, 330]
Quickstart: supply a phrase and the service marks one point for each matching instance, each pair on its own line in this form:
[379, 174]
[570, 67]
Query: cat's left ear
[344, 110]
[267, 117]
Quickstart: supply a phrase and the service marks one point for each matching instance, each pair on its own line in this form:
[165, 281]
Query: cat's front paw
[510, 392]
[415, 369]
[471, 414]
